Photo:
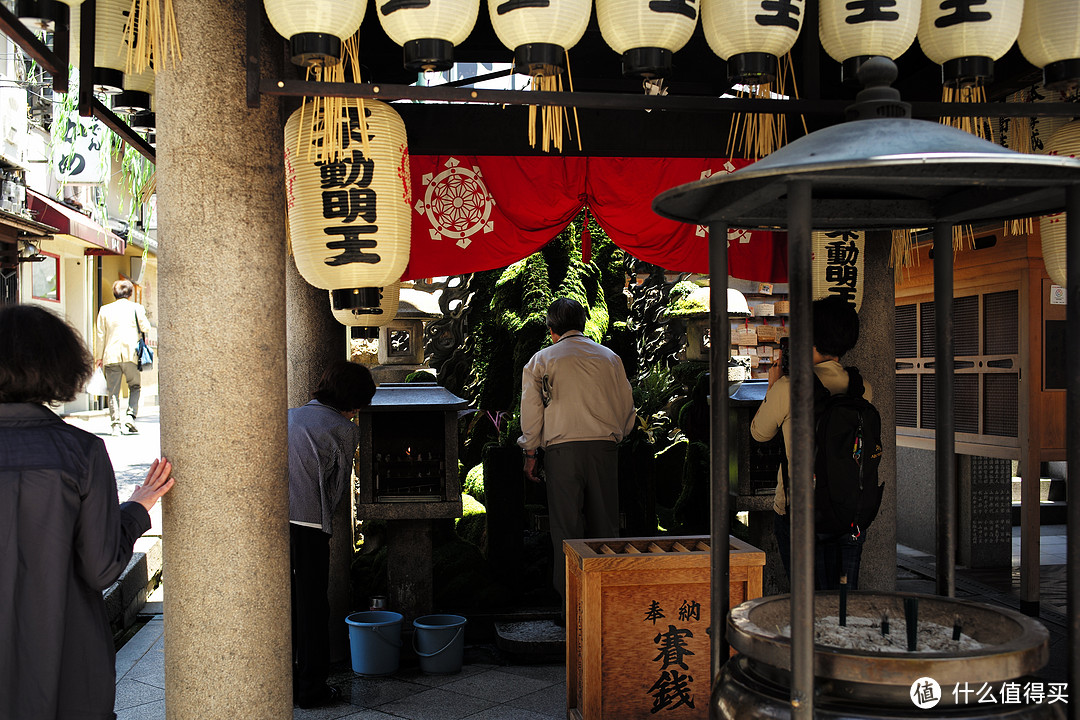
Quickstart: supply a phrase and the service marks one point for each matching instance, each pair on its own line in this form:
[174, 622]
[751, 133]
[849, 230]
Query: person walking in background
[117, 335]
[576, 404]
[64, 538]
[322, 443]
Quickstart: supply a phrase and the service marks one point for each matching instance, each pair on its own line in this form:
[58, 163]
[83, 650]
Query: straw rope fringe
[150, 36]
[552, 119]
[324, 121]
[755, 135]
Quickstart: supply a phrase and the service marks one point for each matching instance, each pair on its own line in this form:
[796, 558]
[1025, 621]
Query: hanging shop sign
[837, 265]
[350, 218]
[646, 32]
[79, 152]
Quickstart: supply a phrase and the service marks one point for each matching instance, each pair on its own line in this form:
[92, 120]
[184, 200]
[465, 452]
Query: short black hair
[345, 386]
[836, 325]
[565, 314]
[42, 358]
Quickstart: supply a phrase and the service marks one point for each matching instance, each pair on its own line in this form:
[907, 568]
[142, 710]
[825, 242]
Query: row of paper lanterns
[964, 37]
[132, 93]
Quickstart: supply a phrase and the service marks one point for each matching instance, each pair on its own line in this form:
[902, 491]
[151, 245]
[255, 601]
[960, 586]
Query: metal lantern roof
[881, 170]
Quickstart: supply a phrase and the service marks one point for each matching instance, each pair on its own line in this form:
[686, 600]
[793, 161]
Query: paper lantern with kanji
[366, 307]
[965, 38]
[350, 220]
[646, 32]
[539, 33]
[854, 32]
[315, 28]
[837, 265]
[138, 95]
[1066, 141]
[428, 31]
[1050, 39]
[751, 35]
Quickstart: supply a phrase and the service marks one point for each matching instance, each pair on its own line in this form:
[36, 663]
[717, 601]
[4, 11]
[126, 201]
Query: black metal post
[802, 452]
[719, 468]
[1072, 425]
[945, 424]
[86, 57]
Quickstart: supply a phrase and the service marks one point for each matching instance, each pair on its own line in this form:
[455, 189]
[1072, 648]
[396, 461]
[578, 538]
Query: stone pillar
[875, 358]
[220, 185]
[314, 339]
[984, 525]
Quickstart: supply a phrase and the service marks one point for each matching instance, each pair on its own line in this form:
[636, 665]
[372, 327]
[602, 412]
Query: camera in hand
[785, 362]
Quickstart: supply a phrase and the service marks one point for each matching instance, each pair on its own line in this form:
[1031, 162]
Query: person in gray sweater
[63, 536]
[322, 442]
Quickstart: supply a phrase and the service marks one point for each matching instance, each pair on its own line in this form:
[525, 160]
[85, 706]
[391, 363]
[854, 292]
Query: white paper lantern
[315, 28]
[751, 35]
[853, 32]
[110, 52]
[1065, 142]
[138, 95]
[646, 32]
[350, 221]
[966, 38]
[539, 31]
[366, 307]
[837, 264]
[428, 31]
[1050, 39]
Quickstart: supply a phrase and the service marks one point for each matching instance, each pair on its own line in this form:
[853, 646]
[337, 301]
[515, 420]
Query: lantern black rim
[309, 49]
[1062, 74]
[970, 71]
[363, 332]
[108, 80]
[539, 59]
[849, 69]
[646, 62]
[428, 54]
[143, 121]
[41, 14]
[131, 101]
[360, 301]
[754, 68]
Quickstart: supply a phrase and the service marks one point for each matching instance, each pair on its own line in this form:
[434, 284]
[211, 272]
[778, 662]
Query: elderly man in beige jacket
[117, 335]
[576, 403]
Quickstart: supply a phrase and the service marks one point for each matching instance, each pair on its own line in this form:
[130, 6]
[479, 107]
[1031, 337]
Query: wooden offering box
[638, 610]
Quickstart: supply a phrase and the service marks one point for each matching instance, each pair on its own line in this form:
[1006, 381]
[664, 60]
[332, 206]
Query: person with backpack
[847, 440]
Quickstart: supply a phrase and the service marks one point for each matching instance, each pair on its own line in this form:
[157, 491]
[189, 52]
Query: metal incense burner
[881, 170]
[870, 684]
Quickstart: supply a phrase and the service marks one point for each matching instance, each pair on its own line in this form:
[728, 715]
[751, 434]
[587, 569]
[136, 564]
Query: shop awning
[68, 221]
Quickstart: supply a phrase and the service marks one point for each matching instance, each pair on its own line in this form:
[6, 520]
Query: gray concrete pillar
[314, 339]
[875, 358]
[221, 202]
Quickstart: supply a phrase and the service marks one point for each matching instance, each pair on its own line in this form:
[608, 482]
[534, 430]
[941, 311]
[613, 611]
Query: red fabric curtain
[480, 213]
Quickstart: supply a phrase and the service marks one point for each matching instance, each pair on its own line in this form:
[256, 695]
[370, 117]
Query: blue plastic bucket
[439, 641]
[375, 641]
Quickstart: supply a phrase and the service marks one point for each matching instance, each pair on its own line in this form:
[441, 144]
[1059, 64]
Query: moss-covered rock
[687, 298]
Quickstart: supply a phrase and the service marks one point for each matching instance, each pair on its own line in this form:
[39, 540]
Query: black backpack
[847, 453]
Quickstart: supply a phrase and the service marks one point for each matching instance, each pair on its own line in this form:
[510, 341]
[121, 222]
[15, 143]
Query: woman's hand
[156, 484]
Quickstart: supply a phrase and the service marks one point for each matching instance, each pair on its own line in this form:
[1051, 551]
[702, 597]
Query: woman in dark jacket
[63, 536]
